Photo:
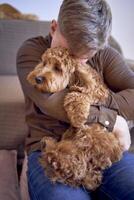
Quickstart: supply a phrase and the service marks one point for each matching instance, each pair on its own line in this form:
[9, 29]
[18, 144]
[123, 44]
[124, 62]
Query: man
[83, 27]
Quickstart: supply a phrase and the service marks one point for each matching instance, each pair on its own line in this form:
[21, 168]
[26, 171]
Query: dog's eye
[57, 68]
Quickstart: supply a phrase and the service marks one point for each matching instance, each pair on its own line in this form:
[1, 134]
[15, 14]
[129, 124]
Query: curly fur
[84, 150]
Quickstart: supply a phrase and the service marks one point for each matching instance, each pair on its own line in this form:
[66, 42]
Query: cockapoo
[84, 150]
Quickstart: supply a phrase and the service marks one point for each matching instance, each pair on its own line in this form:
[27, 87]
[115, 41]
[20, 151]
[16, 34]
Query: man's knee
[60, 192]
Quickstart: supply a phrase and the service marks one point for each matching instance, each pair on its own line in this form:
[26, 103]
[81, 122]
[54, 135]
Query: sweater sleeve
[120, 80]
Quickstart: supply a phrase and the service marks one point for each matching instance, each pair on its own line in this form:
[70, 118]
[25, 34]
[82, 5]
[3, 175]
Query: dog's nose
[39, 79]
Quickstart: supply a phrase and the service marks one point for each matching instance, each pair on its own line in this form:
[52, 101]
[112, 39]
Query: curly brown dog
[84, 151]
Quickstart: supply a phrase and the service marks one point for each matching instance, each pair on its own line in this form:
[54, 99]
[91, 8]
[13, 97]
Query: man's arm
[120, 79]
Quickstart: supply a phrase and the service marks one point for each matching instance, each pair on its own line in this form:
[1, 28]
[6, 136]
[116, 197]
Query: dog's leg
[77, 106]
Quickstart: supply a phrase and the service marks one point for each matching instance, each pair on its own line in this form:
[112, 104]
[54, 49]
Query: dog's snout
[39, 79]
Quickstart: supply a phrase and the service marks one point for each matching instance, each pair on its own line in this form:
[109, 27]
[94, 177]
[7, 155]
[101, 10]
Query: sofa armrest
[130, 63]
[9, 187]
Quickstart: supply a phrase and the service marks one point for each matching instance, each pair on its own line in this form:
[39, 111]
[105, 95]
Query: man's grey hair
[86, 24]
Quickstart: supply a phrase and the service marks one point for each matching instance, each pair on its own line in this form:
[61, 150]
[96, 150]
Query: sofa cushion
[9, 188]
[23, 181]
[12, 34]
[12, 113]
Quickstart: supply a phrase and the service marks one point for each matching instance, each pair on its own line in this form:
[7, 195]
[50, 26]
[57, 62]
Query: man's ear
[53, 27]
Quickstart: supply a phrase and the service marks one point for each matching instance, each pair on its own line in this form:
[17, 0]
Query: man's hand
[122, 131]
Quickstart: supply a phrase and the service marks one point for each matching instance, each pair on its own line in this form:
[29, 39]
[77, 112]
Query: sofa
[13, 129]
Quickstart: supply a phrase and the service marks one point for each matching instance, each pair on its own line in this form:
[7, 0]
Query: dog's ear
[43, 57]
[81, 77]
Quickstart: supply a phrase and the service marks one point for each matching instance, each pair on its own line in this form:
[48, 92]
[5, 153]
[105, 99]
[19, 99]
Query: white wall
[123, 17]
[123, 24]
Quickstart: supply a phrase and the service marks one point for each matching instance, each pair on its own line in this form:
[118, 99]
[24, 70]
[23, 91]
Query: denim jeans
[118, 183]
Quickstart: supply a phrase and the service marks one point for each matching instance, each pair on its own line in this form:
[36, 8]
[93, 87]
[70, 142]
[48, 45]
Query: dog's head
[52, 74]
